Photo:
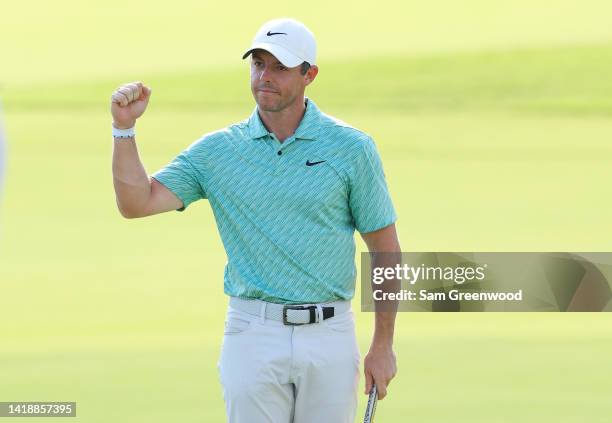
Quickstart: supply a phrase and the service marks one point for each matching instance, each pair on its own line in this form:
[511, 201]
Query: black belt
[327, 313]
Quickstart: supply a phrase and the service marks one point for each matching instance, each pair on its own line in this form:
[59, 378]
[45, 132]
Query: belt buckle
[288, 307]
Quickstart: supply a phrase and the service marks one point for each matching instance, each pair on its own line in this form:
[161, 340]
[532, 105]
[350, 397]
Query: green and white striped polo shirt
[286, 212]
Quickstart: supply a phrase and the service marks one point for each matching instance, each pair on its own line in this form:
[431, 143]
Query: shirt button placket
[280, 152]
[278, 163]
[277, 148]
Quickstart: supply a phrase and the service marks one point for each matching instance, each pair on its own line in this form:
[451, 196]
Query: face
[275, 86]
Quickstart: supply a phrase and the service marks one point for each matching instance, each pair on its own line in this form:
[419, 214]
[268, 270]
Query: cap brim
[282, 54]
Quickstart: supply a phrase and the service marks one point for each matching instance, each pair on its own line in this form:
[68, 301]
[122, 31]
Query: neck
[284, 122]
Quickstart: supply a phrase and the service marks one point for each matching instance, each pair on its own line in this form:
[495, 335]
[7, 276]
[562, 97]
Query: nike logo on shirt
[309, 163]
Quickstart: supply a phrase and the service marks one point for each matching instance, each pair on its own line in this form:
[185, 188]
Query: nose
[265, 74]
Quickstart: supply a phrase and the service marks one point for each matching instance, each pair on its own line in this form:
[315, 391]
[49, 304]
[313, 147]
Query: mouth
[267, 91]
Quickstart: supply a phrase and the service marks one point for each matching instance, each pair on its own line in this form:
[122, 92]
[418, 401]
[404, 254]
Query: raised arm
[137, 194]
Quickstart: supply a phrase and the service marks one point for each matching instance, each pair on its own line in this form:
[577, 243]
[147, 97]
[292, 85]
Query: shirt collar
[308, 129]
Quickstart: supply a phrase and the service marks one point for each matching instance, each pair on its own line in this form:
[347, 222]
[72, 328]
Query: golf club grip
[371, 407]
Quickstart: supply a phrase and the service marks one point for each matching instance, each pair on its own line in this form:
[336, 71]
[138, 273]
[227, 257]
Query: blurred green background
[493, 119]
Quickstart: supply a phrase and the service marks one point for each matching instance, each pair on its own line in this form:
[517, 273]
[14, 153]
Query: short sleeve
[369, 198]
[182, 178]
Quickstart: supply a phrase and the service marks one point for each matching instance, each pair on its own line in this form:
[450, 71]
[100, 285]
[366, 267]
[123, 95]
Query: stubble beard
[276, 106]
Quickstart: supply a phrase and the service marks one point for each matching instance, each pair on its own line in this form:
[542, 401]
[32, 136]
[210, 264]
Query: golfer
[288, 186]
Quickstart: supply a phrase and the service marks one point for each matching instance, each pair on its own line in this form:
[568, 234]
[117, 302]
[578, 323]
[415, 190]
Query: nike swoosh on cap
[269, 34]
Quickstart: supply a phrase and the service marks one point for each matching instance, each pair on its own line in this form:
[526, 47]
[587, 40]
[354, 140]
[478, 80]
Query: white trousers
[274, 373]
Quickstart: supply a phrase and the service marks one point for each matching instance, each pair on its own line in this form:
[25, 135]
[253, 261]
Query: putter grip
[371, 407]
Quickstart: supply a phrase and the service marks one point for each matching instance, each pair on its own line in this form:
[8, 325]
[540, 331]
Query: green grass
[494, 137]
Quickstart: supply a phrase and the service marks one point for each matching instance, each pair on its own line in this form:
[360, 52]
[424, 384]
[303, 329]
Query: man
[287, 186]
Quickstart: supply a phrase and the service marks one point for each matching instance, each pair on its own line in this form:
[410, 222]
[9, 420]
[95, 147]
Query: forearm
[384, 316]
[384, 327]
[380, 362]
[131, 182]
[386, 253]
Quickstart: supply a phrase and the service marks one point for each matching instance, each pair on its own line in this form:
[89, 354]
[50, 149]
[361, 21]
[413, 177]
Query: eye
[257, 63]
[281, 67]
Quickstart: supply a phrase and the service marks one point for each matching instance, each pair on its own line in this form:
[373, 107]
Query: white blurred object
[2, 153]
[2, 163]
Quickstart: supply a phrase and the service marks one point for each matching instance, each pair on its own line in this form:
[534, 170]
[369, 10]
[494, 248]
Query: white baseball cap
[290, 41]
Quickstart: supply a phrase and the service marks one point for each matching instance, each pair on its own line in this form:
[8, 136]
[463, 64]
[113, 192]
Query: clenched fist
[128, 103]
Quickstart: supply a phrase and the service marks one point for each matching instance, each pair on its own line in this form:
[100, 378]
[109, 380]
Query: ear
[311, 74]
